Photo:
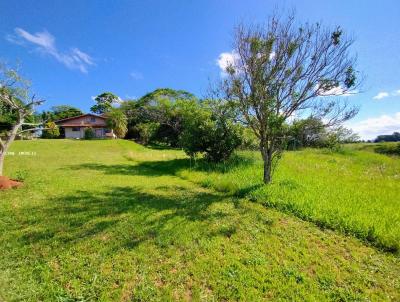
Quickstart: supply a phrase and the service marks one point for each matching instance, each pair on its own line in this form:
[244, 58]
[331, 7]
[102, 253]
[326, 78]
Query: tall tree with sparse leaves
[284, 68]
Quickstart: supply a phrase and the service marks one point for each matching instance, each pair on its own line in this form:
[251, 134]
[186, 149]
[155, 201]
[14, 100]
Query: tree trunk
[2, 155]
[8, 142]
[267, 170]
[266, 156]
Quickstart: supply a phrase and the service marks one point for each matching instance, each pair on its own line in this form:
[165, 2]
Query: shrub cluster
[176, 118]
[51, 130]
[312, 132]
[89, 133]
[389, 149]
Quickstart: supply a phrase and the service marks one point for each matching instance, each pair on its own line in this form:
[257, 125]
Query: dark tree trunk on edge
[267, 159]
[8, 142]
[2, 155]
[267, 171]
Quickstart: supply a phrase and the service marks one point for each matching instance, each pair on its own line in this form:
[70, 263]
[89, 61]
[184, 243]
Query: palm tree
[117, 121]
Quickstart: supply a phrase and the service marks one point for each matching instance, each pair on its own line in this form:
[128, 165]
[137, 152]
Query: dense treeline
[178, 119]
[395, 137]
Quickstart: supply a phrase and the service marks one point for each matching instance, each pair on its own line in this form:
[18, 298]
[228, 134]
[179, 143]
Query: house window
[76, 129]
[92, 119]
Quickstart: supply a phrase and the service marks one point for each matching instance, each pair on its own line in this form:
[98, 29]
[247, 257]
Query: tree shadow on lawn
[166, 167]
[127, 216]
[146, 168]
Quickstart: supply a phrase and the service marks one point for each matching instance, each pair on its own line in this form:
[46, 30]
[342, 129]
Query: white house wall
[74, 134]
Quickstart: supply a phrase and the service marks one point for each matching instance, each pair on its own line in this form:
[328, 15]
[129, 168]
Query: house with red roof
[74, 127]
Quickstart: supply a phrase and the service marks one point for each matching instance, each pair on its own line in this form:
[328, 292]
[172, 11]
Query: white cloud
[372, 127]
[45, 43]
[336, 91]
[396, 93]
[136, 75]
[81, 56]
[226, 59]
[272, 55]
[381, 95]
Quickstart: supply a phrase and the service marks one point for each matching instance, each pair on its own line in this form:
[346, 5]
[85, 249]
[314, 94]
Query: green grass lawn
[114, 221]
[356, 191]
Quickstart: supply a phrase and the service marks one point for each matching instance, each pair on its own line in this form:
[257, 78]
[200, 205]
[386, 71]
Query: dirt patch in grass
[6, 183]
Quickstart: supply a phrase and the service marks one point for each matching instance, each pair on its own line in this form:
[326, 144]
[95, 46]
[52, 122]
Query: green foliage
[65, 111]
[162, 106]
[249, 140]
[281, 69]
[307, 132]
[58, 113]
[117, 121]
[146, 131]
[389, 149]
[104, 102]
[7, 117]
[311, 132]
[211, 130]
[51, 131]
[336, 35]
[350, 79]
[332, 142]
[163, 94]
[20, 175]
[89, 133]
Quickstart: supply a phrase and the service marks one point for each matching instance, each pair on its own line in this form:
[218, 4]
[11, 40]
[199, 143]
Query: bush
[389, 149]
[117, 121]
[211, 131]
[249, 140]
[146, 131]
[52, 131]
[89, 133]
[163, 107]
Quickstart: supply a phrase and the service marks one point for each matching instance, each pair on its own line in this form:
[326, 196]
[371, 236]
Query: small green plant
[89, 133]
[20, 175]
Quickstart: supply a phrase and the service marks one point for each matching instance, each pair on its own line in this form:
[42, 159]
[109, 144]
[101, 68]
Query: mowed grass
[114, 221]
[356, 192]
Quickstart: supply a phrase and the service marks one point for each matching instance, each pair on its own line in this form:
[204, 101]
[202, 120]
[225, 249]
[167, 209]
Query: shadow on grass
[125, 217]
[161, 147]
[146, 168]
[166, 167]
[131, 215]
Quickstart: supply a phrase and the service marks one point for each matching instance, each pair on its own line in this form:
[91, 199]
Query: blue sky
[74, 50]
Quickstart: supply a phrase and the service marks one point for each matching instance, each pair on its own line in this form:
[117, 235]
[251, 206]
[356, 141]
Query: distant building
[74, 127]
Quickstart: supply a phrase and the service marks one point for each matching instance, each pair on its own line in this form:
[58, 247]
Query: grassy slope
[356, 192]
[102, 220]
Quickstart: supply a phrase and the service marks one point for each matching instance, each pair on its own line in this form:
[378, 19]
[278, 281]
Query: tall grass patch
[355, 192]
